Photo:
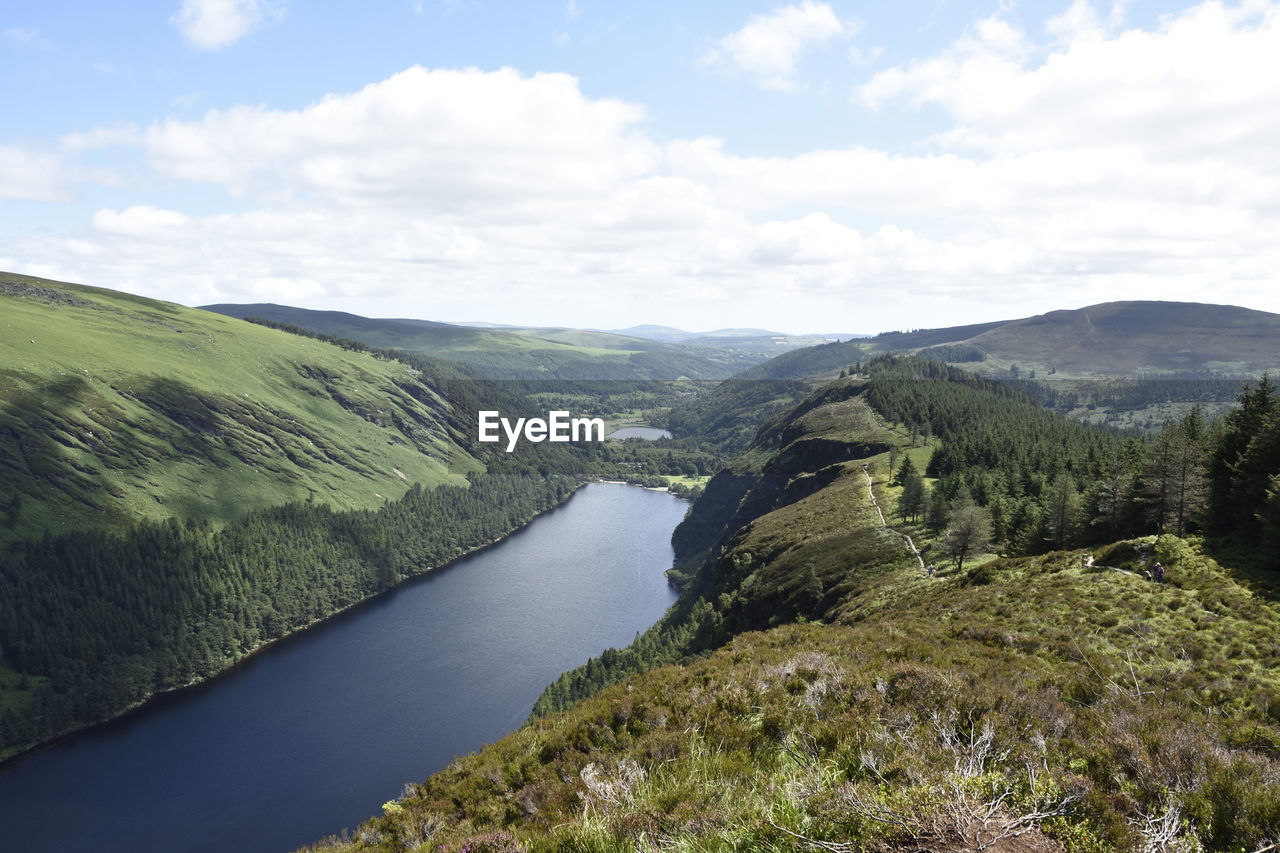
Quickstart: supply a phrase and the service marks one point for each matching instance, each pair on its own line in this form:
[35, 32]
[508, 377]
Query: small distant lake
[647, 433]
[316, 732]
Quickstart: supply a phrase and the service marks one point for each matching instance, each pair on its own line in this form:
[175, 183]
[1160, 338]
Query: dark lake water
[648, 433]
[315, 733]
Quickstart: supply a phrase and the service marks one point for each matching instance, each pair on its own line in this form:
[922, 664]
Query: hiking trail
[885, 524]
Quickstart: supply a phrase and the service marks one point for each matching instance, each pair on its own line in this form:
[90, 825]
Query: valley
[862, 531]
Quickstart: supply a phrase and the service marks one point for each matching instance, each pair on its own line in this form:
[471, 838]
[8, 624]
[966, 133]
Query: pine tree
[1064, 512]
[905, 471]
[937, 512]
[911, 501]
[1229, 508]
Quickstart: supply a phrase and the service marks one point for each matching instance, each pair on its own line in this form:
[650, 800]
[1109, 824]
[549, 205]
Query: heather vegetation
[947, 698]
[1031, 704]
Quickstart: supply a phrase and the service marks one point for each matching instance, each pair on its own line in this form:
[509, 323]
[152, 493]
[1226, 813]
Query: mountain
[1110, 340]
[751, 343]
[666, 334]
[1135, 338]
[116, 409]
[816, 689]
[180, 488]
[514, 352]
[673, 335]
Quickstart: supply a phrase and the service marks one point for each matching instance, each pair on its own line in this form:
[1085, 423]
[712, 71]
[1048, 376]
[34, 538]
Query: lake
[645, 432]
[314, 733]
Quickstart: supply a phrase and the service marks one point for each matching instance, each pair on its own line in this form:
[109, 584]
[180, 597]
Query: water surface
[316, 732]
[645, 432]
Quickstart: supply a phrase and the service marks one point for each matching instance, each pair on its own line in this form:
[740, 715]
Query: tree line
[1042, 482]
[97, 622]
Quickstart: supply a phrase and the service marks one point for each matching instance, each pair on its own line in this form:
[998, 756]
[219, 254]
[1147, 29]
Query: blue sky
[811, 166]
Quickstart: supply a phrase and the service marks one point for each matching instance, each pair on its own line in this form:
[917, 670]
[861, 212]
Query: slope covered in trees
[206, 485]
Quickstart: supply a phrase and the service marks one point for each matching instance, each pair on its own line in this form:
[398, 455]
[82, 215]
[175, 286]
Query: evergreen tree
[911, 501]
[1229, 500]
[1063, 512]
[968, 533]
[905, 471]
[1269, 523]
[937, 512]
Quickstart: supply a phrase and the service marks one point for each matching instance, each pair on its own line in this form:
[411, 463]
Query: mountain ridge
[1123, 339]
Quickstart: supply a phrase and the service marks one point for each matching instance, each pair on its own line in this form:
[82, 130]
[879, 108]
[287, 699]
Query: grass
[1024, 704]
[116, 408]
[685, 480]
[1045, 690]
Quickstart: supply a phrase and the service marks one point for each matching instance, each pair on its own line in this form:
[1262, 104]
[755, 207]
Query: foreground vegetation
[1029, 704]
[815, 688]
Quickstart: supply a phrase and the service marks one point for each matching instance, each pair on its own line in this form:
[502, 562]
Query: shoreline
[666, 489]
[172, 692]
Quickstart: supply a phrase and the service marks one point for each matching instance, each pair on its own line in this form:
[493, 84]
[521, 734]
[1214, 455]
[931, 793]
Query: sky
[809, 167]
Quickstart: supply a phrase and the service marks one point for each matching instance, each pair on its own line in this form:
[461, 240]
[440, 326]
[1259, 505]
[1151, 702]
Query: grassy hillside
[180, 488]
[115, 408]
[516, 353]
[1032, 703]
[1028, 705]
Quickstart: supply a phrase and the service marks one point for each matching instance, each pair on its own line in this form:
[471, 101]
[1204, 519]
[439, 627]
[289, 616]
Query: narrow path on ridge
[885, 524]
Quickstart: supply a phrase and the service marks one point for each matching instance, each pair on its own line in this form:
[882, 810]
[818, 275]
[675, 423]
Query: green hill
[180, 488]
[1136, 338]
[1031, 702]
[1034, 706]
[116, 409]
[516, 353]
[1111, 340]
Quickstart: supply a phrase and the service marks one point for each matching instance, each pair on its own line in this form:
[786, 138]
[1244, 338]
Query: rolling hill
[513, 352]
[1110, 340]
[179, 488]
[116, 409]
[816, 689]
[1135, 338]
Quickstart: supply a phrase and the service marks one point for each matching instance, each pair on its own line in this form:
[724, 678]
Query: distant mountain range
[520, 352]
[1113, 339]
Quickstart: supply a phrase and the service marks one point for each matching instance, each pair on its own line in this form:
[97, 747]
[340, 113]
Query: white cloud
[141, 221]
[27, 175]
[769, 46]
[1203, 82]
[865, 56]
[445, 140]
[215, 24]
[1081, 164]
[103, 136]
